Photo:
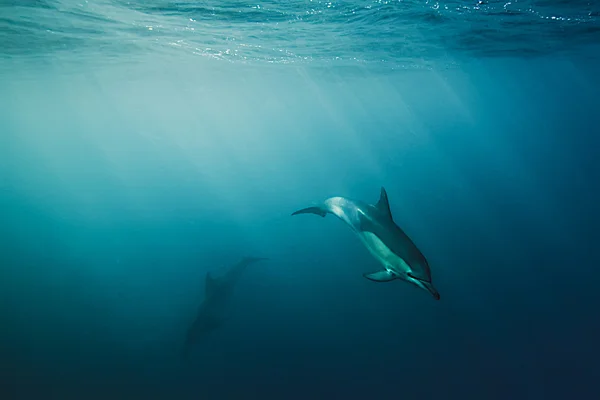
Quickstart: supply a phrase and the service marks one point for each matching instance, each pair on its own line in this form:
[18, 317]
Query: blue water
[144, 143]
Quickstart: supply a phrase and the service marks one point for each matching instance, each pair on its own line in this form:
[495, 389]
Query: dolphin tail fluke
[380, 276]
[312, 210]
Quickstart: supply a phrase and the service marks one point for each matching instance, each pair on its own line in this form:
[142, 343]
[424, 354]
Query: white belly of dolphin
[383, 254]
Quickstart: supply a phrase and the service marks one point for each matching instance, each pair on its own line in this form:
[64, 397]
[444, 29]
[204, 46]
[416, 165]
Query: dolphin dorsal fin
[383, 205]
[210, 285]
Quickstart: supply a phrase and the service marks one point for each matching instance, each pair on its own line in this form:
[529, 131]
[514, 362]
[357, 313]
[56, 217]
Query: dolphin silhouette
[217, 300]
[374, 225]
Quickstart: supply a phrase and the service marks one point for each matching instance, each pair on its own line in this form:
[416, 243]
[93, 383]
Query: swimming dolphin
[374, 225]
[217, 298]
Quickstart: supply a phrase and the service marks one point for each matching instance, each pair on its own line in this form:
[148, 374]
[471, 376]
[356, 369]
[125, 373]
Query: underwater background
[144, 143]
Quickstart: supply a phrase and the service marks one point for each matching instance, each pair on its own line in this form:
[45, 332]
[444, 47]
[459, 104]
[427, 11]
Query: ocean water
[145, 143]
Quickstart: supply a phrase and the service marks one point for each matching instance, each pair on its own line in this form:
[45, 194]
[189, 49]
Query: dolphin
[218, 292]
[374, 225]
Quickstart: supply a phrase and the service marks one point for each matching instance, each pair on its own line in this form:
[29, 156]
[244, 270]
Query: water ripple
[380, 32]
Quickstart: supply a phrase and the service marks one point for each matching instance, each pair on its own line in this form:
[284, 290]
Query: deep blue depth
[143, 144]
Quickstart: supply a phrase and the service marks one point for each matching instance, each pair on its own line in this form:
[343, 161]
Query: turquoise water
[144, 144]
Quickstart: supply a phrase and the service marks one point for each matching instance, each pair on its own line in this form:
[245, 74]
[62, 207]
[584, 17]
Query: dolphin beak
[426, 285]
[432, 290]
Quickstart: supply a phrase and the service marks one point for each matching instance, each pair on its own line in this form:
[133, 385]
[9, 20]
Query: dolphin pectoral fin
[380, 276]
[312, 210]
